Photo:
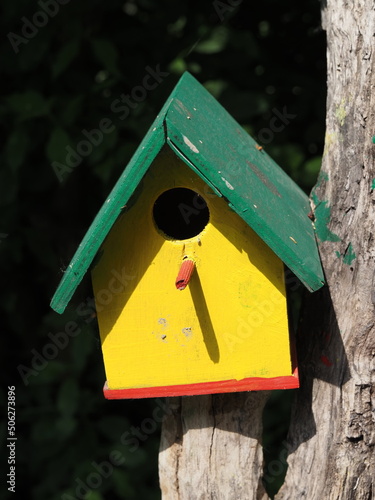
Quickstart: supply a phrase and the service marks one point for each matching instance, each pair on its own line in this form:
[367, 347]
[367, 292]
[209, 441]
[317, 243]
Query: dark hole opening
[181, 213]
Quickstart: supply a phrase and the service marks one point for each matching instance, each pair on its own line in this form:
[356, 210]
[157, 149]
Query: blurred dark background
[61, 72]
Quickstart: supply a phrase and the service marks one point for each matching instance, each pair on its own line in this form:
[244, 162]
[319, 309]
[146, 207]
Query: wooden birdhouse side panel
[229, 324]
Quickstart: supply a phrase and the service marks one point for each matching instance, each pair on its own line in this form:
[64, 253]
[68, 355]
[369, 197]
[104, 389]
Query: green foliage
[64, 57]
[106, 54]
[61, 80]
[55, 147]
[27, 105]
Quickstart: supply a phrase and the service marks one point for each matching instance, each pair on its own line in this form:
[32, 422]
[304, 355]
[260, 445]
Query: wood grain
[211, 448]
[332, 437]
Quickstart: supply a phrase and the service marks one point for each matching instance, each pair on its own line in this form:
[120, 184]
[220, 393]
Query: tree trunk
[211, 445]
[332, 436]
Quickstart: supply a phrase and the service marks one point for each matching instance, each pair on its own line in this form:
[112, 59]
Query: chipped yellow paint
[230, 322]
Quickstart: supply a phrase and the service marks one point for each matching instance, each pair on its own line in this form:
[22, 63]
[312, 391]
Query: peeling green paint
[323, 176]
[340, 112]
[322, 217]
[373, 184]
[349, 255]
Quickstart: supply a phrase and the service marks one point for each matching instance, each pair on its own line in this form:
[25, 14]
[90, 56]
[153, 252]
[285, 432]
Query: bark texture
[332, 436]
[210, 447]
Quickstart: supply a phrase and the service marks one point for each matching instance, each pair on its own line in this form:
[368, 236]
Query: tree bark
[211, 445]
[332, 435]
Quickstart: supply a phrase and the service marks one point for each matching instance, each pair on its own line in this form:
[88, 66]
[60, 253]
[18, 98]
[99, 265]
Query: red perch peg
[183, 277]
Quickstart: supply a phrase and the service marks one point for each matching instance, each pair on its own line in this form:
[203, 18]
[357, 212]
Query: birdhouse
[187, 259]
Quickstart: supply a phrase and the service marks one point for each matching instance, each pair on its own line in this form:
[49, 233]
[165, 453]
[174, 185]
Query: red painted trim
[246, 384]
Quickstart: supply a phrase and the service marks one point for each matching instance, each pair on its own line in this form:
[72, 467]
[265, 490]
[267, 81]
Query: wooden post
[211, 447]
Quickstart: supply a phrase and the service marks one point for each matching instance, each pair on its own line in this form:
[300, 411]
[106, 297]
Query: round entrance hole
[181, 213]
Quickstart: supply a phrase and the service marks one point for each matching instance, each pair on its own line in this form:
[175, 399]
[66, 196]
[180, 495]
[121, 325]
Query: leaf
[177, 66]
[215, 87]
[106, 53]
[312, 166]
[177, 27]
[65, 57]
[29, 104]
[215, 43]
[56, 145]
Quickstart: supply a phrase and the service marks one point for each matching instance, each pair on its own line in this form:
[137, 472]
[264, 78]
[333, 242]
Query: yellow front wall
[229, 323]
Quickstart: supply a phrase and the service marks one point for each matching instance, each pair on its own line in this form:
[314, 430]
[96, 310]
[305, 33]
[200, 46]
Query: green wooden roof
[202, 133]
